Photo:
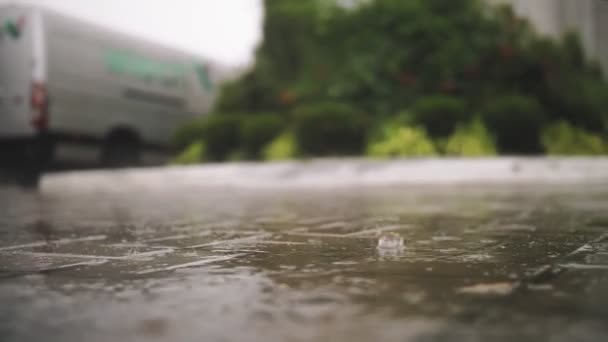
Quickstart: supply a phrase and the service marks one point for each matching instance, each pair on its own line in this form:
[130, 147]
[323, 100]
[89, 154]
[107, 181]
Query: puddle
[500, 289]
[418, 262]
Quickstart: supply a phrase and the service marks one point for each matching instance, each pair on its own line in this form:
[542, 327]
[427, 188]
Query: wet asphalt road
[138, 258]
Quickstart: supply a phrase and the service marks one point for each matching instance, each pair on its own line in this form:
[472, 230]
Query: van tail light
[40, 106]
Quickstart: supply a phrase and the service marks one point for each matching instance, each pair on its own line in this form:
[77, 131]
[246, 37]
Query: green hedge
[230, 136]
[257, 131]
[193, 154]
[472, 140]
[563, 139]
[329, 129]
[188, 134]
[382, 56]
[516, 122]
[221, 135]
[582, 102]
[439, 115]
[397, 140]
[282, 147]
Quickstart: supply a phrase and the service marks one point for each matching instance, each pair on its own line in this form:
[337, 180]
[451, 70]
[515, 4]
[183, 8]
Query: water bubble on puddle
[390, 241]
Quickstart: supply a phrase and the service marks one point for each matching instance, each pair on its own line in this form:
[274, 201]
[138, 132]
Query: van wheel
[121, 149]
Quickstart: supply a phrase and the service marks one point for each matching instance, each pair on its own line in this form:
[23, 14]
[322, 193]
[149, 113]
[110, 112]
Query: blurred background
[419, 199]
[287, 79]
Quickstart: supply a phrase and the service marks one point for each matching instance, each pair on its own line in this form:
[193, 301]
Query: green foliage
[580, 101]
[221, 135]
[252, 93]
[516, 122]
[257, 131]
[563, 139]
[573, 89]
[194, 154]
[401, 141]
[472, 140]
[329, 129]
[236, 155]
[379, 55]
[282, 147]
[189, 133]
[442, 60]
[439, 115]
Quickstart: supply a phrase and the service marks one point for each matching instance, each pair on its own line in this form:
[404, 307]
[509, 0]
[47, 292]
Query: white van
[69, 89]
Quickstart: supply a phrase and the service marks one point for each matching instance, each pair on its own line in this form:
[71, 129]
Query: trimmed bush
[439, 115]
[516, 122]
[188, 134]
[564, 139]
[194, 154]
[236, 155]
[580, 101]
[257, 131]
[329, 129]
[472, 140]
[281, 148]
[221, 135]
[401, 141]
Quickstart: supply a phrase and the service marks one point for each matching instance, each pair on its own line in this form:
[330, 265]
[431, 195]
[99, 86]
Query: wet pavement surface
[128, 262]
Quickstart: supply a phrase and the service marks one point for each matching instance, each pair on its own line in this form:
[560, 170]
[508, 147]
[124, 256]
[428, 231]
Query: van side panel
[39, 68]
[99, 81]
[16, 71]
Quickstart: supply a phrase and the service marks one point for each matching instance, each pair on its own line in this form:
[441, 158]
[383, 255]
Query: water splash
[390, 241]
